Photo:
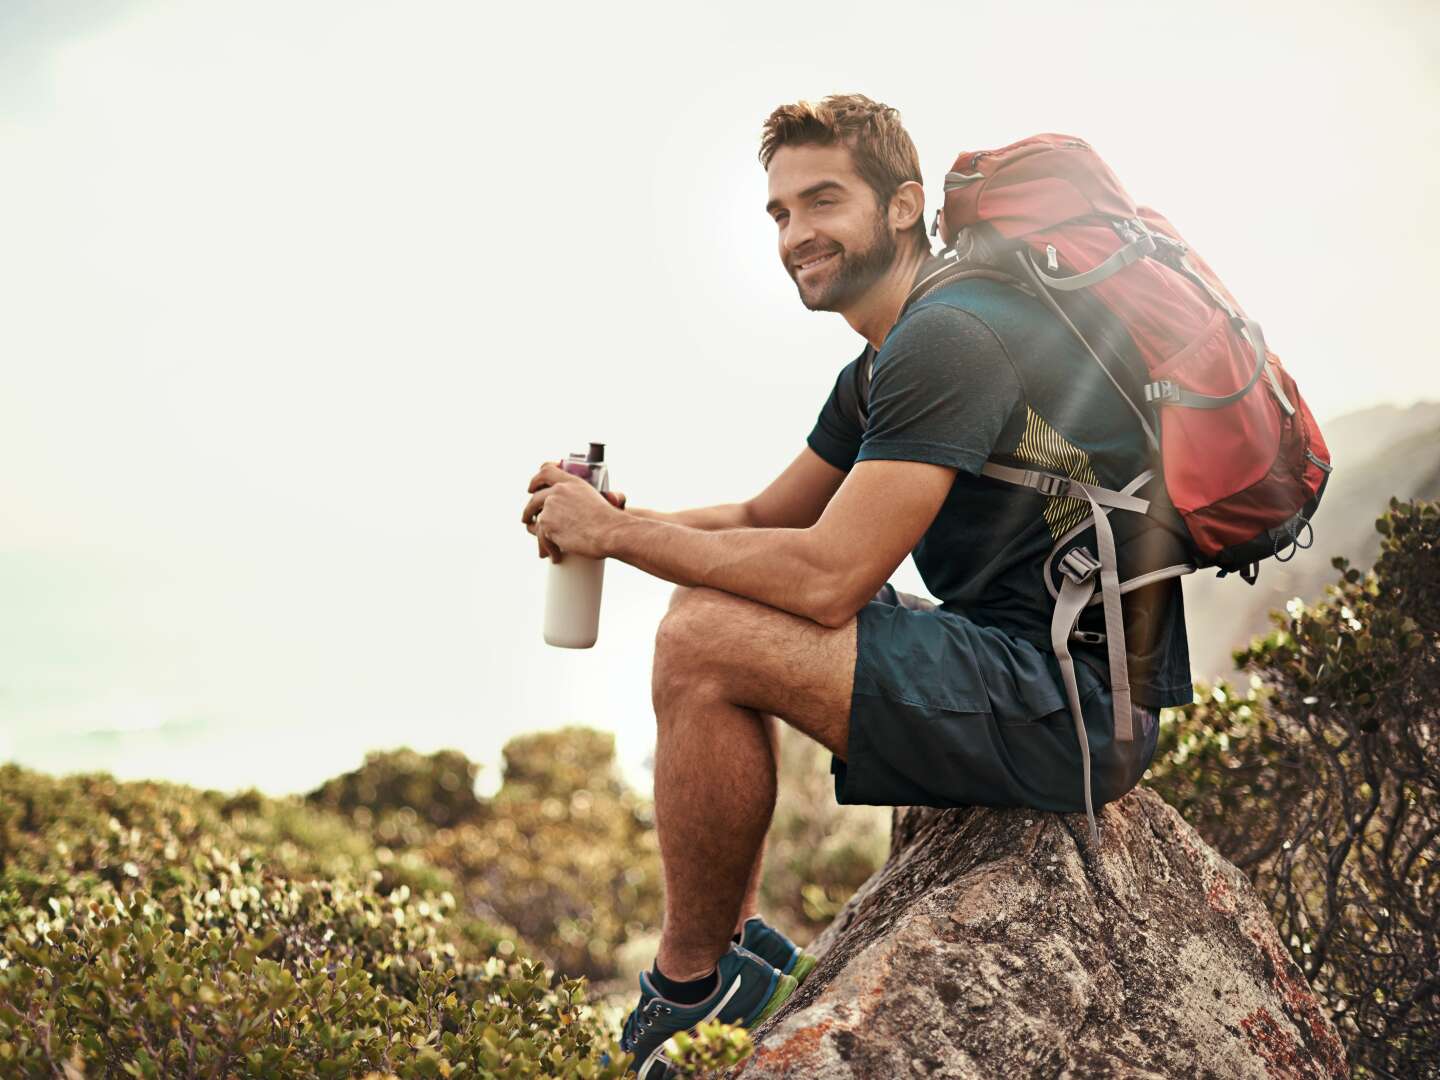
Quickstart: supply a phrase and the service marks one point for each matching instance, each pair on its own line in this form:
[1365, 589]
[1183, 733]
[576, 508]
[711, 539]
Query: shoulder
[954, 325]
[1018, 320]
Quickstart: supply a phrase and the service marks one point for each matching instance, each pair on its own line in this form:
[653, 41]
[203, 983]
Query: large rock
[995, 943]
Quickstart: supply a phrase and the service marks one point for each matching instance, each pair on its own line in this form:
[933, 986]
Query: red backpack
[1242, 459]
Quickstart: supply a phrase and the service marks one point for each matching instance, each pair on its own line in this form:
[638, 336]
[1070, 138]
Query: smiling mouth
[817, 261]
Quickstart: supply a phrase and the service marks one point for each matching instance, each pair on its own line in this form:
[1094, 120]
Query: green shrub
[151, 930]
[1322, 781]
[440, 787]
[565, 854]
[714, 1047]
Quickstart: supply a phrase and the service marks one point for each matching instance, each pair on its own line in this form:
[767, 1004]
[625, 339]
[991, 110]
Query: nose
[797, 233]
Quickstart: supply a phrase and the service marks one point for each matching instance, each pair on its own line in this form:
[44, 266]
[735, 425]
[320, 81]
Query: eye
[780, 217]
[823, 202]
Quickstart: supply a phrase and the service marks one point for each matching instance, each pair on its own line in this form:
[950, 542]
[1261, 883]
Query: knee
[684, 645]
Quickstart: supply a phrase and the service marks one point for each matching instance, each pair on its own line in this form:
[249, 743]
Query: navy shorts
[946, 712]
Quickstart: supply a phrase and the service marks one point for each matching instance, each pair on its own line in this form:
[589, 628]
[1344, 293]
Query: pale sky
[297, 296]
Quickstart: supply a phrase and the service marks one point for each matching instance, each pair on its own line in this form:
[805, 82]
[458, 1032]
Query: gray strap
[1114, 624]
[1063, 487]
[1131, 252]
[1172, 393]
[1257, 342]
[1073, 597]
[1277, 391]
[955, 180]
[1050, 302]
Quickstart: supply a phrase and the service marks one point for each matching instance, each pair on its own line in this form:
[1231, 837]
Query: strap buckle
[1079, 565]
[1162, 390]
[1047, 483]
[1088, 637]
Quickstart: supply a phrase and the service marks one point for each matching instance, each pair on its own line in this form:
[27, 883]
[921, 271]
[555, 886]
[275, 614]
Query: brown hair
[882, 151]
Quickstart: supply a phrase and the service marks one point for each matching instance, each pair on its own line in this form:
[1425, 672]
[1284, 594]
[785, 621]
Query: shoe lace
[640, 1018]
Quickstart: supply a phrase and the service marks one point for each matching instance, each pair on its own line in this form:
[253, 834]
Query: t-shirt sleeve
[837, 432]
[942, 392]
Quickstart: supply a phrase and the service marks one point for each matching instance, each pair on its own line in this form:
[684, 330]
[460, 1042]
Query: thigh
[947, 712]
[758, 657]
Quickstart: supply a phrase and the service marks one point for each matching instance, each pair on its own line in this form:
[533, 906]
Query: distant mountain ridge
[1378, 452]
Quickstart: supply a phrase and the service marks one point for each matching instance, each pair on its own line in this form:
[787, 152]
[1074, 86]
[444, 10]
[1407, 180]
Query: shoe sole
[803, 966]
[783, 989]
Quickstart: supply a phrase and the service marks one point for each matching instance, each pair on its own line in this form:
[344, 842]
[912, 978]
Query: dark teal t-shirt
[975, 371]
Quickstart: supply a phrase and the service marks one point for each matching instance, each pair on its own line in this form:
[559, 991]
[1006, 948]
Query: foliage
[714, 1046]
[565, 853]
[441, 787]
[150, 930]
[1322, 781]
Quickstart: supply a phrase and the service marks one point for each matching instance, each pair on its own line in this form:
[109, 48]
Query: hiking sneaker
[750, 991]
[770, 944]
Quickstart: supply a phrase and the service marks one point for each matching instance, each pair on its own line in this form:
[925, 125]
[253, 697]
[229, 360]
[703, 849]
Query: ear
[907, 206]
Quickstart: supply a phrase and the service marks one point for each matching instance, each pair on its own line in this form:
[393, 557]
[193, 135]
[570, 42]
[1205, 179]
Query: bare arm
[794, 500]
[823, 572]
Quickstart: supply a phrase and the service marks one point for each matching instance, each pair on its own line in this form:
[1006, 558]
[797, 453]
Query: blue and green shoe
[750, 991]
[770, 944]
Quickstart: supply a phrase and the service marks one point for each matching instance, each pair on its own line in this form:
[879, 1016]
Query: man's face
[835, 241]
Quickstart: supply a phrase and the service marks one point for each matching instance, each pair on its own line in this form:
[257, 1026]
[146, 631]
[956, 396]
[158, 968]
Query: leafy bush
[565, 853]
[1322, 781]
[150, 930]
[714, 1047]
[440, 787]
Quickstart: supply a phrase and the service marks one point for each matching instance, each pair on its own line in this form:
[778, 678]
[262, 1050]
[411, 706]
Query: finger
[548, 550]
[541, 478]
[533, 507]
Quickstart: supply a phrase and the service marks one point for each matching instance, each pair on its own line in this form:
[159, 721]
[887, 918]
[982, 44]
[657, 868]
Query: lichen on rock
[999, 943]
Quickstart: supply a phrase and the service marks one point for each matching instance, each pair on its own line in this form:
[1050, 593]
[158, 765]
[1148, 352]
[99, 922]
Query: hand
[576, 518]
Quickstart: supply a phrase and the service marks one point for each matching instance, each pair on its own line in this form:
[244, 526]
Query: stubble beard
[858, 271]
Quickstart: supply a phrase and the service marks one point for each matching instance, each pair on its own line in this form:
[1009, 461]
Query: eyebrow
[813, 189]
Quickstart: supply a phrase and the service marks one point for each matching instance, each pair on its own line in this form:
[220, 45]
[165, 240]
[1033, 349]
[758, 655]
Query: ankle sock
[684, 993]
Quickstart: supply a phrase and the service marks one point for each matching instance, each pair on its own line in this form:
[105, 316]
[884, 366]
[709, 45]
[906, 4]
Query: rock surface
[995, 943]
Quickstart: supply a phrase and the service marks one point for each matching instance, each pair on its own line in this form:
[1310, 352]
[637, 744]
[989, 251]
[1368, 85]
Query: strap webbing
[1061, 487]
[1132, 252]
[1076, 589]
[1114, 623]
[1174, 394]
[1073, 597]
[1257, 342]
[1044, 294]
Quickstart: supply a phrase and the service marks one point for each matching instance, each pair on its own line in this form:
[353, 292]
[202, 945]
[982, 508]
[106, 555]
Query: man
[785, 609]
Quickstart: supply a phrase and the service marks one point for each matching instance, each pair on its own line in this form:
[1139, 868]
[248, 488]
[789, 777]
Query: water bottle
[572, 590]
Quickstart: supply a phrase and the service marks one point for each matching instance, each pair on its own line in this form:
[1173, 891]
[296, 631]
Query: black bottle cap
[597, 453]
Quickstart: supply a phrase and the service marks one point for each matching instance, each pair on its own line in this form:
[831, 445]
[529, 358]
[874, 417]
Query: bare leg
[721, 663]
[712, 820]
[750, 905]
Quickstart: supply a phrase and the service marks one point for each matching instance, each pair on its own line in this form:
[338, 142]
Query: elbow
[835, 592]
[837, 608]
[834, 620]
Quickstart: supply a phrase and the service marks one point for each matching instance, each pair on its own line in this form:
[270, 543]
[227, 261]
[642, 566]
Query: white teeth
[813, 262]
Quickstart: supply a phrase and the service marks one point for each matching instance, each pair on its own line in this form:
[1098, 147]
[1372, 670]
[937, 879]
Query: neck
[872, 315]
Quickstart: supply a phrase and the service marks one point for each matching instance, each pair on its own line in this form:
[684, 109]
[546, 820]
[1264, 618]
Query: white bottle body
[574, 584]
[572, 601]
